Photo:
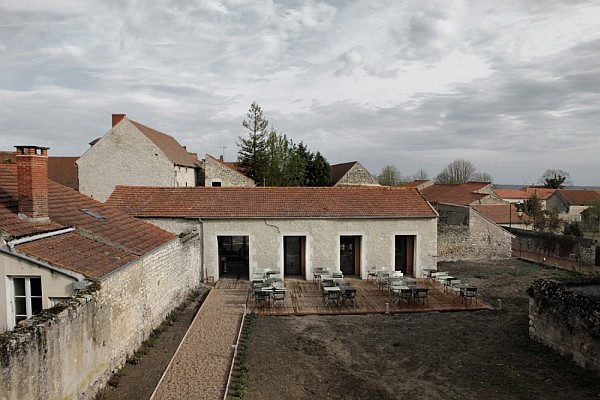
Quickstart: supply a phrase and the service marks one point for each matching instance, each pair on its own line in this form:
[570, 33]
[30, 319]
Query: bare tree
[420, 175]
[390, 176]
[458, 171]
[481, 177]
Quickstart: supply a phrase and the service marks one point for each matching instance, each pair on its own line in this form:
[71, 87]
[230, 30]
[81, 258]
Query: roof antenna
[223, 153]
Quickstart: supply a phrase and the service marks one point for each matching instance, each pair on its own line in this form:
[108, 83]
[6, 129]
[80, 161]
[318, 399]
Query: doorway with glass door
[294, 255]
[350, 255]
[405, 254]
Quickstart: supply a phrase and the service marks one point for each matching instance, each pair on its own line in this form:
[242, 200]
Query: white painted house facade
[294, 230]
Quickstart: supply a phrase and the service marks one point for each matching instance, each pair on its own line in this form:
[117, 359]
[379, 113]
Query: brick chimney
[32, 182]
[116, 118]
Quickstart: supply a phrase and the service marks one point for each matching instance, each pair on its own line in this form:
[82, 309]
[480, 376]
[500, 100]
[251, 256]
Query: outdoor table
[462, 287]
[448, 283]
[429, 271]
[271, 273]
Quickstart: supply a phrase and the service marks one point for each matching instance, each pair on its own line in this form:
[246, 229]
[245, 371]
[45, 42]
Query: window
[216, 184]
[28, 297]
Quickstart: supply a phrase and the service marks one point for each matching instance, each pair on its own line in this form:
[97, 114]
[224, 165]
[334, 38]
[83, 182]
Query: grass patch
[240, 383]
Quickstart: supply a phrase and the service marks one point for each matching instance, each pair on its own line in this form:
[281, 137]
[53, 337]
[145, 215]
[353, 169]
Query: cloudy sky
[512, 86]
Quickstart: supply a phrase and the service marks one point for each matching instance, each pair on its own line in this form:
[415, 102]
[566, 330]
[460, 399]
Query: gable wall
[54, 285]
[124, 156]
[357, 176]
[475, 239]
[215, 171]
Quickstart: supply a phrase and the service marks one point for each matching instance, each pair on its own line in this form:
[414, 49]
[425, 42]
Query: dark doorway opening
[405, 254]
[350, 254]
[294, 255]
[233, 257]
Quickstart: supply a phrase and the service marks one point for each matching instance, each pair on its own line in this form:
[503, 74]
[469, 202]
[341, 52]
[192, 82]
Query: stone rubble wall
[565, 316]
[71, 350]
[465, 235]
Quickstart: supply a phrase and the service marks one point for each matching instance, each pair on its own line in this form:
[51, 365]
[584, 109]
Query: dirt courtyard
[450, 355]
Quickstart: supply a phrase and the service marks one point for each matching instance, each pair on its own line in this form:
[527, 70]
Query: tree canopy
[271, 159]
[461, 171]
[555, 179]
[390, 176]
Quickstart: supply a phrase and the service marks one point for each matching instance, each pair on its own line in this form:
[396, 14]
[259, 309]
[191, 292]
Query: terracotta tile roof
[501, 213]
[541, 192]
[512, 194]
[176, 153]
[77, 253]
[339, 170]
[462, 194]
[271, 202]
[116, 230]
[577, 197]
[64, 171]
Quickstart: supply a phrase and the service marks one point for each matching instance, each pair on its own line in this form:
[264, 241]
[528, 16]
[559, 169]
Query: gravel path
[200, 367]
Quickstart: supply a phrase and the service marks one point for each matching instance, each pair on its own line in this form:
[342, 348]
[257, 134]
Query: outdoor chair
[337, 274]
[278, 296]
[420, 296]
[396, 274]
[403, 295]
[348, 294]
[333, 296]
[261, 298]
[470, 293]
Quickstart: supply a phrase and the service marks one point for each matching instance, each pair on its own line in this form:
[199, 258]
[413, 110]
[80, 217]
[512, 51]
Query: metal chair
[470, 293]
[261, 298]
[403, 295]
[348, 294]
[278, 296]
[333, 296]
[420, 296]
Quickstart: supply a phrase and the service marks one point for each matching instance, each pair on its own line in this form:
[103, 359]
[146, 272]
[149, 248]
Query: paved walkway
[200, 367]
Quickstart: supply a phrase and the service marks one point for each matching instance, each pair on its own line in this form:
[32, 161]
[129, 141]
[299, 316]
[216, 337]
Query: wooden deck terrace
[305, 298]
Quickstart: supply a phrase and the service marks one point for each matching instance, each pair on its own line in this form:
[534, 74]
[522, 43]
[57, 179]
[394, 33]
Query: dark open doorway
[233, 257]
[405, 254]
[294, 255]
[350, 254]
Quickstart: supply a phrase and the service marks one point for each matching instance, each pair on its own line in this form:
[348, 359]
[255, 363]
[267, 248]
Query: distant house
[463, 232]
[352, 174]
[134, 154]
[505, 215]
[62, 170]
[293, 230]
[570, 203]
[464, 194]
[56, 242]
[217, 173]
[523, 194]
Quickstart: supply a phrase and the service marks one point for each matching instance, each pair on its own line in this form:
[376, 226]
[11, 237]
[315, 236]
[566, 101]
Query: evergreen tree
[252, 150]
[319, 171]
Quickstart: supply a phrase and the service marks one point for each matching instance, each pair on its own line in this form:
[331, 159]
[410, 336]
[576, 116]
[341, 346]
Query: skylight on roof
[92, 214]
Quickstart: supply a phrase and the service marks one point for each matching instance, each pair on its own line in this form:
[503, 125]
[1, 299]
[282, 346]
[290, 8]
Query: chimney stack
[116, 118]
[32, 182]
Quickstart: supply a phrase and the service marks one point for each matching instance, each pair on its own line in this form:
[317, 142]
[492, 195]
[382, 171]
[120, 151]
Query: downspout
[203, 271]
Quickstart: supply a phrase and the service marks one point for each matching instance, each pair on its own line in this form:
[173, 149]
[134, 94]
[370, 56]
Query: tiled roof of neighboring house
[339, 170]
[461, 194]
[501, 213]
[116, 237]
[271, 202]
[576, 197]
[540, 192]
[64, 171]
[77, 253]
[173, 150]
[512, 194]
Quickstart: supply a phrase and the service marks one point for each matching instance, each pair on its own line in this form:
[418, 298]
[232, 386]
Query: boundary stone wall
[565, 316]
[71, 350]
